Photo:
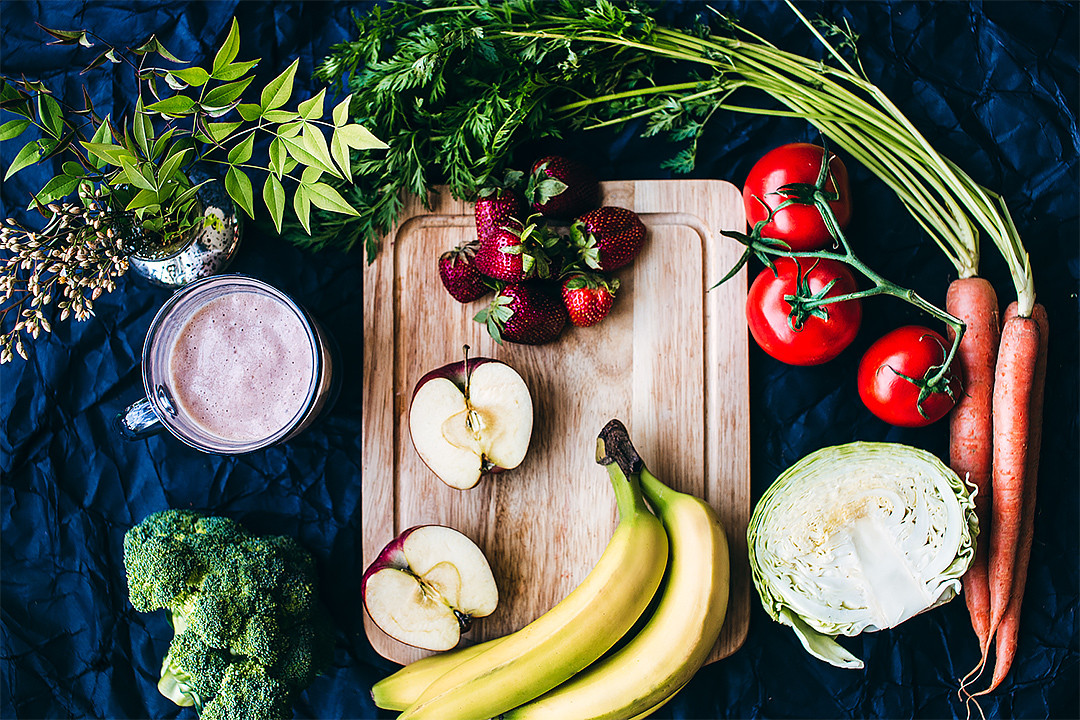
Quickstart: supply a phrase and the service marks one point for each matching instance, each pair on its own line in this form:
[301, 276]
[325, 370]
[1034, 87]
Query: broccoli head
[250, 630]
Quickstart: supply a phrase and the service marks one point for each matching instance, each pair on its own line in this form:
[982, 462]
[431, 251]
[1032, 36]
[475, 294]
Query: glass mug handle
[139, 420]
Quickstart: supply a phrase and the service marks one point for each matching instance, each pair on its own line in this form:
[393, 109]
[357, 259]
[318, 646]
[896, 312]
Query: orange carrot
[971, 453]
[1013, 384]
[1005, 641]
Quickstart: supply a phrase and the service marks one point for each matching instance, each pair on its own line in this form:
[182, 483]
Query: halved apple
[427, 585]
[470, 418]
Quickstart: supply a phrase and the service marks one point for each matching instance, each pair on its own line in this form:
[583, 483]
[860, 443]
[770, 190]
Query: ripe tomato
[804, 338]
[800, 226]
[911, 351]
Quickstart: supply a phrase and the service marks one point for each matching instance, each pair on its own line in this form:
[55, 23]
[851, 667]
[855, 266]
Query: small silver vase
[206, 249]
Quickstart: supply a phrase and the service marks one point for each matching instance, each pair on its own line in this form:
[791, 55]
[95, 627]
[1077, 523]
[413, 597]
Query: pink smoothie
[242, 366]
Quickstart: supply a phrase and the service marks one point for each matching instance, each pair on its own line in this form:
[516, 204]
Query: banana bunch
[556, 666]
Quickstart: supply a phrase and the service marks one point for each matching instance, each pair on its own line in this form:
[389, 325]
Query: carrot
[971, 454]
[1008, 631]
[1013, 385]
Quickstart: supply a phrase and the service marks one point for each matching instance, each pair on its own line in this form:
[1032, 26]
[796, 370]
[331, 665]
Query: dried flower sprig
[76, 257]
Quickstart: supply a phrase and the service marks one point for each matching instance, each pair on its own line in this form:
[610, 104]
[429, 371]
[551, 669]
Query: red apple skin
[390, 556]
[393, 556]
[454, 372]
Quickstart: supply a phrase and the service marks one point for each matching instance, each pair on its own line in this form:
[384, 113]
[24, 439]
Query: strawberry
[588, 297]
[515, 253]
[608, 238]
[562, 188]
[499, 205]
[529, 313]
[457, 270]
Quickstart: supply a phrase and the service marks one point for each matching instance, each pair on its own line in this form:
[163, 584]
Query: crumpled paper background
[992, 86]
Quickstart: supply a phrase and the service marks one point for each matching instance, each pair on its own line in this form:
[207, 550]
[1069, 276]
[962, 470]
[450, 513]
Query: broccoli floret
[237, 602]
[248, 690]
[192, 671]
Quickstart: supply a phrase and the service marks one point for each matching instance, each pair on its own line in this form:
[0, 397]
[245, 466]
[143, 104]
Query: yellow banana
[574, 633]
[403, 688]
[656, 707]
[678, 637]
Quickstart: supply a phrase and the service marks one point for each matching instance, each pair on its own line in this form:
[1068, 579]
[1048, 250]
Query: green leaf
[340, 151]
[194, 76]
[238, 186]
[60, 186]
[315, 143]
[112, 154]
[52, 117]
[175, 106]
[234, 71]
[142, 127]
[13, 129]
[341, 111]
[279, 90]
[27, 156]
[229, 49]
[249, 111]
[241, 153]
[312, 108]
[302, 206]
[290, 129]
[281, 116]
[277, 157]
[160, 143]
[135, 177]
[359, 137]
[189, 193]
[143, 199]
[310, 175]
[274, 197]
[171, 165]
[109, 55]
[299, 153]
[220, 132]
[72, 169]
[67, 37]
[154, 45]
[102, 136]
[326, 197]
[226, 94]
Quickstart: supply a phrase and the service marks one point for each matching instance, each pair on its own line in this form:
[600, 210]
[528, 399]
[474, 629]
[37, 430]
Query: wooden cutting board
[670, 361]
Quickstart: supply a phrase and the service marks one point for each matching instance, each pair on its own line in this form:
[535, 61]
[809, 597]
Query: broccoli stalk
[250, 632]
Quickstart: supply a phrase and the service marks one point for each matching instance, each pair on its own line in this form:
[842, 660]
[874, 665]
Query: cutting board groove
[670, 361]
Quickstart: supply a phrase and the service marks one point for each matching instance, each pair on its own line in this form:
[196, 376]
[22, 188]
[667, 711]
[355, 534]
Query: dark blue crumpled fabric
[992, 86]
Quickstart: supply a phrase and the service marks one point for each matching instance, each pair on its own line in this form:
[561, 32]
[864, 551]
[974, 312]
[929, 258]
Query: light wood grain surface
[670, 362]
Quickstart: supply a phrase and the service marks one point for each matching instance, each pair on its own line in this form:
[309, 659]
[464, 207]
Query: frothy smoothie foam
[242, 366]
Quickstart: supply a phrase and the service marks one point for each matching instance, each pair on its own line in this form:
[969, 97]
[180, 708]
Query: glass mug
[231, 365]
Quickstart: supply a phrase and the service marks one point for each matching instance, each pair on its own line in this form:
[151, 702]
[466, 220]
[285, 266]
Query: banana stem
[613, 446]
[615, 451]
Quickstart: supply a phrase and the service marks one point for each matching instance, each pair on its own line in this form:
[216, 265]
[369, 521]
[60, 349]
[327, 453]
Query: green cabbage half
[860, 537]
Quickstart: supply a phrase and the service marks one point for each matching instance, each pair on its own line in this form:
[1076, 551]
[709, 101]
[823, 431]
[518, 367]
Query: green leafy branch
[183, 116]
[131, 177]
